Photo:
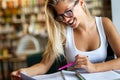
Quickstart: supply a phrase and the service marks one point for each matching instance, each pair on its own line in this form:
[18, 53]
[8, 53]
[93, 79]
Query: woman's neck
[86, 24]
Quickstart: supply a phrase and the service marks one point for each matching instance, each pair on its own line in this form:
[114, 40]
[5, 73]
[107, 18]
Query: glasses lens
[59, 18]
[68, 13]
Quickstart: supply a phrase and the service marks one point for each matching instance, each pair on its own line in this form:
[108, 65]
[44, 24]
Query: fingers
[80, 61]
[80, 56]
[15, 78]
[15, 75]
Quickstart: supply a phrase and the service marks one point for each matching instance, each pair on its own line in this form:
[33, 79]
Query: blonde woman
[81, 38]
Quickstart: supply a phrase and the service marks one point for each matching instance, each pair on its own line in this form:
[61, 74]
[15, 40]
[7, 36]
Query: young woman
[74, 33]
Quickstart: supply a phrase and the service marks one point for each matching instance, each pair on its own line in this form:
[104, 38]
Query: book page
[117, 71]
[67, 75]
[108, 75]
[26, 77]
[70, 75]
[53, 76]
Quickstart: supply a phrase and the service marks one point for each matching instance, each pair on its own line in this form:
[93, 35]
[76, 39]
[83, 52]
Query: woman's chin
[73, 27]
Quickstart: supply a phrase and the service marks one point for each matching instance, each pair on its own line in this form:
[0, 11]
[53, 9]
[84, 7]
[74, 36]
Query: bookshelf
[15, 17]
[99, 7]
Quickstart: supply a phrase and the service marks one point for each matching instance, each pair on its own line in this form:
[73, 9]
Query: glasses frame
[67, 13]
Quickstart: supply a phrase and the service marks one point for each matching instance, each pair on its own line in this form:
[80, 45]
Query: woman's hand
[15, 75]
[83, 62]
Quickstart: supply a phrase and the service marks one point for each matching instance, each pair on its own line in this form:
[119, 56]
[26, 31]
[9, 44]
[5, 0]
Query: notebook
[61, 75]
[71, 75]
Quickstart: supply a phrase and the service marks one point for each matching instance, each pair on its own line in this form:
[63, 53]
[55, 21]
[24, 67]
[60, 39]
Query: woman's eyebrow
[64, 11]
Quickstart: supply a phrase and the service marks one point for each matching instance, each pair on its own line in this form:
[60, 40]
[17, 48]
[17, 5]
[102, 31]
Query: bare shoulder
[110, 29]
[107, 24]
[112, 34]
[106, 21]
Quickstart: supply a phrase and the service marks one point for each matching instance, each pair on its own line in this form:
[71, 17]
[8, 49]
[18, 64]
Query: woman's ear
[81, 2]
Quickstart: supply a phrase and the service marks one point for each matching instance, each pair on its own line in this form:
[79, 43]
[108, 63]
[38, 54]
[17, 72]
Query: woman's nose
[66, 19]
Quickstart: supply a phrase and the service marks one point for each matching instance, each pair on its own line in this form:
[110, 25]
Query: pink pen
[68, 65]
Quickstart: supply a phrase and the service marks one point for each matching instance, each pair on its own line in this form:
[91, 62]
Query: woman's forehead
[63, 4]
[61, 7]
[55, 2]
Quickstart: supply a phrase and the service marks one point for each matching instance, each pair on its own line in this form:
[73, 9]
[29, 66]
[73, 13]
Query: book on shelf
[71, 75]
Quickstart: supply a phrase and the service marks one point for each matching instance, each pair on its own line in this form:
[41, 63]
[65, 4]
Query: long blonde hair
[56, 31]
[56, 34]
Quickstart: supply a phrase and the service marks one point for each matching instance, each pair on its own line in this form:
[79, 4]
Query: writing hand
[83, 62]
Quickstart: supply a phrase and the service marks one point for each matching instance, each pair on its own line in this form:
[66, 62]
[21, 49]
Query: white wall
[115, 4]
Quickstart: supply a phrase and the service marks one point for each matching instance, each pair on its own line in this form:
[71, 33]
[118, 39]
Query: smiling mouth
[71, 22]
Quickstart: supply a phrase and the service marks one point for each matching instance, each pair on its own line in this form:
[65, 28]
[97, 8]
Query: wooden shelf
[99, 7]
[18, 17]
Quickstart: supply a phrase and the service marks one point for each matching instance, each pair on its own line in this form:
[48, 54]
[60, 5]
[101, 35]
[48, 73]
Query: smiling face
[69, 12]
[65, 13]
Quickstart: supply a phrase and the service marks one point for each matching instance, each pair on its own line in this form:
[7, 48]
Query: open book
[71, 75]
[61, 75]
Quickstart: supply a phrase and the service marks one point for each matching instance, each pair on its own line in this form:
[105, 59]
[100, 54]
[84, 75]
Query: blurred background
[23, 30]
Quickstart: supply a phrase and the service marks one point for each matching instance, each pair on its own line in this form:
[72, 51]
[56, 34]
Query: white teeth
[71, 21]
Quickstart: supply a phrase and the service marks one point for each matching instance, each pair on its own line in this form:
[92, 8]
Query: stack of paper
[71, 75]
[108, 75]
[61, 75]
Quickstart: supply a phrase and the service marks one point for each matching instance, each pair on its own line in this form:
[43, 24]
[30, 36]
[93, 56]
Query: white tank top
[97, 55]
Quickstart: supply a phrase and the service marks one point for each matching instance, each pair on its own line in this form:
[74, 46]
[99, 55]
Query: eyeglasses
[68, 14]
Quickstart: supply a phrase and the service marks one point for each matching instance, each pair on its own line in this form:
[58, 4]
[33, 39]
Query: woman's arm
[114, 41]
[113, 38]
[40, 68]
[112, 35]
